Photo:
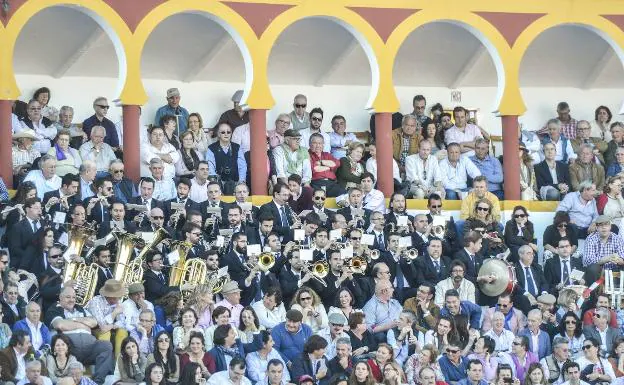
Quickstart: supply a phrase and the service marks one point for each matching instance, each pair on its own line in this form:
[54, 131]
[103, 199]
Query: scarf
[296, 166]
[60, 155]
[232, 352]
[190, 161]
[508, 318]
[356, 167]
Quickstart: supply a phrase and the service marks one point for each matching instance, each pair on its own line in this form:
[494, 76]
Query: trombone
[319, 270]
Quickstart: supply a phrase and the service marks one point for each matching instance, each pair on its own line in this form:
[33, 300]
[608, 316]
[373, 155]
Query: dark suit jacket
[543, 177]
[304, 202]
[188, 205]
[36, 263]
[427, 272]
[346, 212]
[302, 366]
[154, 288]
[376, 244]
[105, 228]
[271, 208]
[22, 243]
[50, 287]
[538, 277]
[9, 317]
[512, 239]
[612, 335]
[58, 207]
[451, 241]
[330, 217]
[409, 269]
[472, 265]
[130, 214]
[288, 283]
[552, 271]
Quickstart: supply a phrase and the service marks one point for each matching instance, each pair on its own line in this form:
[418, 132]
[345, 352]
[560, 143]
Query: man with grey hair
[44, 130]
[98, 151]
[33, 375]
[299, 117]
[342, 363]
[101, 106]
[531, 281]
[333, 332]
[501, 336]
[76, 371]
[601, 331]
[552, 363]
[276, 135]
[539, 340]
[552, 176]
[164, 188]
[581, 206]
[65, 122]
[565, 152]
[45, 179]
[586, 168]
[87, 172]
[583, 136]
[123, 187]
[488, 165]
[422, 171]
[405, 141]
[235, 117]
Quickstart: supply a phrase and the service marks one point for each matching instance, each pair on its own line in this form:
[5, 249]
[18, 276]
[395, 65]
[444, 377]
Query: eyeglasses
[301, 105]
[384, 272]
[436, 206]
[503, 305]
[596, 315]
[561, 225]
[356, 238]
[118, 171]
[520, 216]
[283, 121]
[102, 106]
[163, 340]
[11, 293]
[452, 351]
[571, 322]
[585, 347]
[517, 343]
[305, 298]
[483, 208]
[319, 198]
[316, 119]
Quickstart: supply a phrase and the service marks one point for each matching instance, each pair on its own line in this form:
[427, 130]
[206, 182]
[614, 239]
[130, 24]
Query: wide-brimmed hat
[230, 287]
[26, 134]
[113, 288]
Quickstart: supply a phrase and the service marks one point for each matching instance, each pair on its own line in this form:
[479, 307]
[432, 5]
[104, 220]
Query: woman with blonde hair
[611, 202]
[349, 174]
[309, 304]
[202, 301]
[195, 125]
[528, 184]
[482, 221]
[535, 375]
[393, 374]
[362, 374]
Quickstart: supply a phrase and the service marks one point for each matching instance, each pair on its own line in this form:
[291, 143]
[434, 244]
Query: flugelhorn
[410, 254]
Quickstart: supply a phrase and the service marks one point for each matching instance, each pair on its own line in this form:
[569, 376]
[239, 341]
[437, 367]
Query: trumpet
[335, 245]
[319, 271]
[295, 219]
[265, 262]
[356, 265]
[438, 231]
[410, 254]
[174, 219]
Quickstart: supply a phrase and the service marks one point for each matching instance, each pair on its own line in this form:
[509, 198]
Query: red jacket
[329, 174]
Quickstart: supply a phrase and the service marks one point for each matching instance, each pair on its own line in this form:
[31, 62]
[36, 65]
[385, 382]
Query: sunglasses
[483, 208]
[54, 256]
[517, 343]
[319, 198]
[163, 340]
[520, 216]
[356, 238]
[436, 207]
[585, 347]
[301, 105]
[570, 322]
[102, 106]
[305, 298]
[504, 306]
[452, 351]
[316, 119]
[118, 171]
[225, 132]
[561, 225]
[596, 315]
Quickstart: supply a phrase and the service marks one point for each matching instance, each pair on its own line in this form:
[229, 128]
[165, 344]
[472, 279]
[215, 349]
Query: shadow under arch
[230, 21]
[365, 35]
[100, 12]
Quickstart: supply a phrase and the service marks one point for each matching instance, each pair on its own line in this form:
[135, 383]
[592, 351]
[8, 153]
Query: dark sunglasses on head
[520, 216]
[301, 105]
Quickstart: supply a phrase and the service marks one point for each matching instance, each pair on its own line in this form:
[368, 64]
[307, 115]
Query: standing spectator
[276, 136]
[490, 166]
[600, 124]
[236, 116]
[316, 119]
[97, 150]
[340, 139]
[44, 131]
[552, 176]
[43, 96]
[405, 140]
[463, 132]
[299, 116]
[101, 106]
[174, 108]
[420, 104]
[568, 123]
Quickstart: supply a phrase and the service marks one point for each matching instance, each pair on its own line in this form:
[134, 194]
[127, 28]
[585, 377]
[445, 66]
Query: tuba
[159, 236]
[194, 271]
[86, 277]
[77, 236]
[125, 248]
[178, 270]
[133, 273]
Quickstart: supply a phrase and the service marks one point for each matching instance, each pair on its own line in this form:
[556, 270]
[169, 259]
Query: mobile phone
[508, 380]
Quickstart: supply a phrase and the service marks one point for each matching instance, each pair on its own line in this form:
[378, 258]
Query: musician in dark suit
[116, 220]
[318, 206]
[155, 281]
[241, 194]
[301, 196]
[102, 258]
[21, 239]
[557, 269]
[451, 242]
[52, 199]
[548, 190]
[278, 208]
[214, 201]
[403, 272]
[470, 255]
[13, 306]
[378, 231]
[422, 233]
[530, 280]
[248, 279]
[51, 280]
[192, 234]
[338, 277]
[182, 188]
[98, 207]
[397, 207]
[146, 189]
[362, 220]
[259, 235]
[433, 266]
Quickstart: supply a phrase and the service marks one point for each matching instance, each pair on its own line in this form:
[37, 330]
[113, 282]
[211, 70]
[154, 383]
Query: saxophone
[77, 236]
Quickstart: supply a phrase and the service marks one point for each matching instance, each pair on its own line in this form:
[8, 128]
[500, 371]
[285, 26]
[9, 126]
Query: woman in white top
[602, 370]
[158, 148]
[344, 305]
[309, 304]
[220, 316]
[371, 164]
[611, 201]
[600, 124]
[189, 156]
[196, 127]
[42, 95]
[181, 334]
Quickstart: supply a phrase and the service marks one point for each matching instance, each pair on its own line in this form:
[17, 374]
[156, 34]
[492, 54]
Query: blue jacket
[45, 332]
[544, 349]
[470, 310]
[290, 346]
[182, 113]
[243, 350]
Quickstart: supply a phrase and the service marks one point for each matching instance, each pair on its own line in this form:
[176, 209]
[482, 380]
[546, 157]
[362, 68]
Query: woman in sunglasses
[571, 328]
[617, 357]
[611, 202]
[309, 304]
[519, 231]
[165, 357]
[482, 221]
[595, 369]
[561, 228]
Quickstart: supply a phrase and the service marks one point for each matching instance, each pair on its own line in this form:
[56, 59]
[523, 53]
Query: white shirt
[164, 189]
[223, 378]
[374, 200]
[102, 158]
[337, 142]
[424, 172]
[456, 177]
[269, 318]
[257, 367]
[371, 166]
[43, 185]
[35, 334]
[466, 290]
[199, 192]
[504, 341]
[131, 312]
[469, 134]
[16, 125]
[242, 137]
[560, 150]
[149, 152]
[306, 133]
[280, 164]
[20, 373]
[42, 132]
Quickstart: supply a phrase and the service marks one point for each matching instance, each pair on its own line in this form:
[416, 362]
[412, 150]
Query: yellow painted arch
[233, 23]
[382, 92]
[115, 25]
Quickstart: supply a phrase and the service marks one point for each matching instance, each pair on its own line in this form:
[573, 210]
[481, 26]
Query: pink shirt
[235, 311]
[454, 135]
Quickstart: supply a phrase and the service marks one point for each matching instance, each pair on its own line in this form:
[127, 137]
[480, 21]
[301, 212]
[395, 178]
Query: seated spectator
[427, 358]
[300, 196]
[371, 166]
[97, 151]
[165, 357]
[290, 336]
[533, 144]
[558, 269]
[610, 202]
[570, 336]
[598, 146]
[67, 159]
[37, 330]
[131, 363]
[581, 206]
[519, 231]
[515, 320]
[333, 332]
[563, 146]
[539, 340]
[169, 124]
[24, 154]
[45, 178]
[382, 310]
[601, 332]
[154, 374]
[174, 108]
[242, 137]
[259, 363]
[181, 334]
[145, 331]
[483, 351]
[405, 140]
[65, 123]
[158, 148]
[74, 322]
[60, 359]
[13, 358]
[351, 169]
[617, 166]
[454, 366]
[586, 169]
[276, 136]
[316, 119]
[361, 340]
[464, 133]
[453, 307]
[323, 166]
[552, 364]
[13, 306]
[552, 176]
[227, 343]
[427, 376]
[270, 310]
[455, 171]
[249, 326]
[192, 374]
[199, 184]
[475, 374]
[42, 95]
[164, 188]
[482, 221]
[435, 136]
[592, 359]
[602, 302]
[123, 188]
[528, 186]
[42, 127]
[108, 312]
[308, 302]
[226, 160]
[617, 133]
[561, 228]
[291, 158]
[488, 165]
[101, 108]
[423, 173]
[34, 374]
[271, 167]
[197, 356]
[457, 281]
[312, 357]
[5, 332]
[600, 124]
[201, 139]
[340, 139]
[236, 116]
[567, 123]
[404, 337]
[520, 358]
[234, 373]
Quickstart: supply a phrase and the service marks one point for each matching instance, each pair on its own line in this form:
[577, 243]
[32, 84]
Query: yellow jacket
[471, 199]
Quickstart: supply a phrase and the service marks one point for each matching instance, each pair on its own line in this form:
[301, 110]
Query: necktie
[436, 264]
[34, 226]
[530, 283]
[399, 280]
[380, 242]
[108, 274]
[566, 273]
[284, 218]
[161, 277]
[317, 367]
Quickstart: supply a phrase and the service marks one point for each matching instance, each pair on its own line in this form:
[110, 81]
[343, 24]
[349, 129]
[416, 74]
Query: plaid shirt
[567, 129]
[595, 249]
[22, 157]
